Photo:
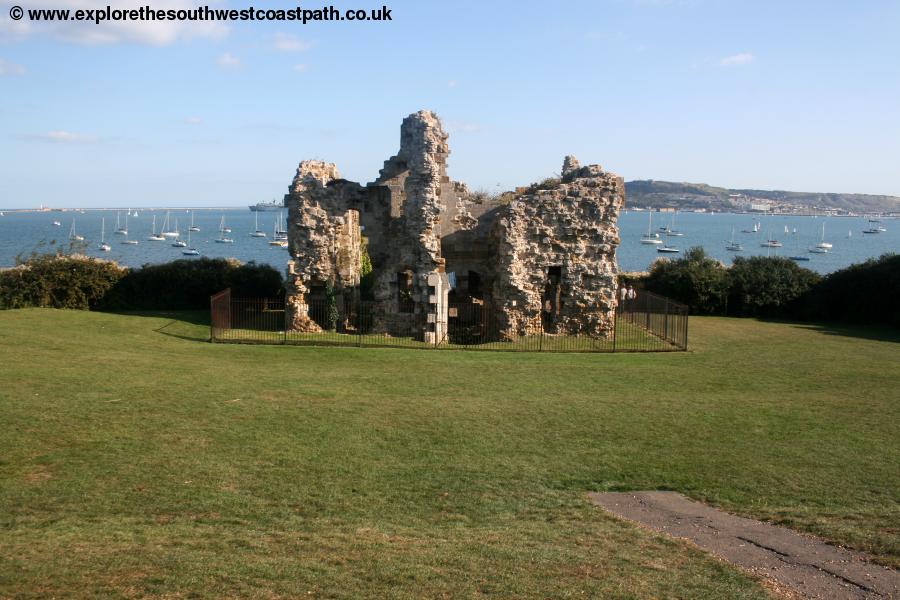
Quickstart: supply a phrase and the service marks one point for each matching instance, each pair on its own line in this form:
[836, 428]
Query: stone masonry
[541, 259]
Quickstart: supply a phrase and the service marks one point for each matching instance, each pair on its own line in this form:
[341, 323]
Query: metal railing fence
[647, 323]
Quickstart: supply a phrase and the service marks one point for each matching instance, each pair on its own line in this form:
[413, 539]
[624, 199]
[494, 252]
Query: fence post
[666, 323]
[359, 322]
[616, 325]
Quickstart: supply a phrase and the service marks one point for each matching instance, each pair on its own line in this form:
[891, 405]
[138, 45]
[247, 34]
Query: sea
[24, 233]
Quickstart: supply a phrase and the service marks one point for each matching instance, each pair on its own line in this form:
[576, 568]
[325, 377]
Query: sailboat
[73, 236]
[799, 257]
[172, 233]
[823, 245]
[754, 230]
[650, 237]
[191, 251]
[667, 249]
[119, 229]
[222, 231]
[281, 230]
[278, 239]
[193, 227]
[771, 242]
[849, 233]
[734, 246]
[103, 246]
[670, 229]
[57, 224]
[257, 233]
[155, 237]
[178, 243]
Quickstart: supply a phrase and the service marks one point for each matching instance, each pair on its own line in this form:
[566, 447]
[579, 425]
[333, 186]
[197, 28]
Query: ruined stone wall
[556, 262]
[401, 215]
[323, 237]
[545, 261]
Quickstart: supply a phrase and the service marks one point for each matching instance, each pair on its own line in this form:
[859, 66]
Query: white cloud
[193, 120]
[8, 68]
[154, 33]
[463, 127]
[452, 83]
[289, 43]
[229, 61]
[736, 60]
[301, 68]
[62, 137]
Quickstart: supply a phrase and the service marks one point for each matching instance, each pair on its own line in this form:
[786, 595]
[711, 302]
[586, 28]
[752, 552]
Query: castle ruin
[540, 260]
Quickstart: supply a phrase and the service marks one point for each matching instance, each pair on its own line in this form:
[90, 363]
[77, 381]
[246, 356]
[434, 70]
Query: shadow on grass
[191, 325]
[185, 331]
[194, 317]
[867, 332]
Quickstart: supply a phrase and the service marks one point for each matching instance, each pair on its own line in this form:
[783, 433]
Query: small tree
[366, 274]
[332, 315]
[762, 286]
[695, 279]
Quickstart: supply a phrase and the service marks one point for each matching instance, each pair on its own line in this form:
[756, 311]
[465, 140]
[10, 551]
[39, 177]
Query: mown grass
[632, 335]
[136, 460]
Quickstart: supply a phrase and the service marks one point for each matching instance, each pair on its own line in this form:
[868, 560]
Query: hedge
[80, 282]
[775, 287]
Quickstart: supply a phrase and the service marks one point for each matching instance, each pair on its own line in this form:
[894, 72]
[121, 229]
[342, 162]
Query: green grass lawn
[139, 461]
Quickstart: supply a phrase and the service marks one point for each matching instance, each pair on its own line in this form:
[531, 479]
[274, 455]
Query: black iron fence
[647, 323]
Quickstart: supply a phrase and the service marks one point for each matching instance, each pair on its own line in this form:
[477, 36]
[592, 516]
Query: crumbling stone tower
[400, 213]
[539, 260]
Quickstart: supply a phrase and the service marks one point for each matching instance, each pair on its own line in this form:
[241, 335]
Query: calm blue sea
[22, 233]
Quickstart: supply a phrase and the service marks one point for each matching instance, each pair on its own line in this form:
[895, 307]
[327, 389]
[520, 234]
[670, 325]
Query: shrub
[84, 283]
[366, 273]
[762, 286]
[868, 292]
[695, 279]
[187, 284]
[550, 183]
[59, 281]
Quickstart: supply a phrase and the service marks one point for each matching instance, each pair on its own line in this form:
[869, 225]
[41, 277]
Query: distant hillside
[660, 194]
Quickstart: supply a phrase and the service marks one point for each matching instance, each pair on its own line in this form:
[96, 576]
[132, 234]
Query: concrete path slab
[802, 563]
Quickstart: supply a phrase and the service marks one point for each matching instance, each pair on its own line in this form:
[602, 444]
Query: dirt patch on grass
[38, 475]
[790, 561]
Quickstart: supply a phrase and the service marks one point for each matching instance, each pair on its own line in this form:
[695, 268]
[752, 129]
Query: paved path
[805, 564]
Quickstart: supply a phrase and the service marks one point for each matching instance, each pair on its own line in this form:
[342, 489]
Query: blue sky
[797, 95]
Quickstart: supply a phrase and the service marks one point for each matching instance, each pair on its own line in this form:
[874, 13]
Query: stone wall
[556, 267]
[544, 261]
